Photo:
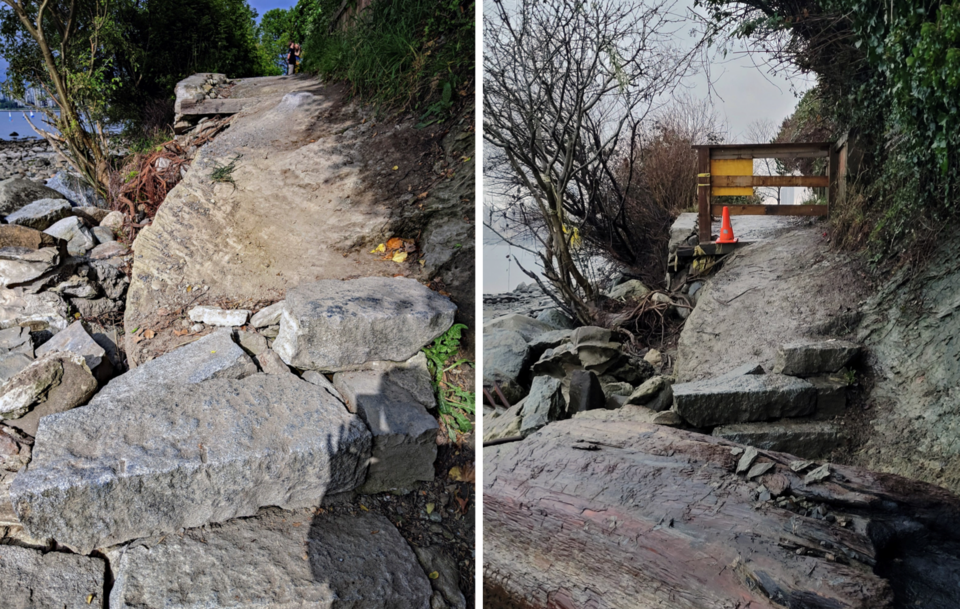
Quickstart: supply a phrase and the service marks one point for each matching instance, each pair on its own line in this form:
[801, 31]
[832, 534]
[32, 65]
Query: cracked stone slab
[30, 579]
[279, 560]
[744, 399]
[133, 465]
[333, 325]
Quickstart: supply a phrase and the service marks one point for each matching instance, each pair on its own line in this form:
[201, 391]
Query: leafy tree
[273, 36]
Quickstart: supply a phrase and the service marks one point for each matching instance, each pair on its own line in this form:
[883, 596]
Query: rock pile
[32, 159]
[217, 429]
[195, 89]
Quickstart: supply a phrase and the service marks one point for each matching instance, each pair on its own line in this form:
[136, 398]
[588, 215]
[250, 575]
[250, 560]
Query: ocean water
[14, 122]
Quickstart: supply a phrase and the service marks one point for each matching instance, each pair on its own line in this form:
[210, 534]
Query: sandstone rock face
[812, 357]
[18, 192]
[742, 399]
[337, 325]
[121, 469]
[41, 214]
[393, 400]
[278, 559]
[31, 579]
[20, 264]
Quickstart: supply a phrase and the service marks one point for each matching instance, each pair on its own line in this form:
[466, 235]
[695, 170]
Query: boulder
[506, 425]
[743, 399]
[74, 339]
[505, 357]
[55, 580]
[179, 457]
[215, 316]
[647, 391]
[252, 342]
[113, 221]
[267, 316]
[393, 400]
[60, 381]
[812, 357]
[527, 327]
[75, 233]
[806, 439]
[548, 340]
[556, 318]
[544, 404]
[21, 265]
[41, 214]
[629, 290]
[38, 312]
[214, 356]
[585, 392]
[335, 325]
[74, 188]
[12, 235]
[18, 192]
[277, 559]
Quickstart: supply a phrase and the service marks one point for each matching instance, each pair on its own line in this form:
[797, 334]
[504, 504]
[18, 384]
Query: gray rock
[15, 339]
[15, 453]
[506, 425]
[527, 327]
[215, 316]
[278, 559]
[646, 392]
[556, 318]
[631, 412]
[505, 357]
[683, 227]
[811, 357]
[113, 221]
[111, 279]
[107, 250]
[629, 290]
[742, 370]
[694, 290]
[215, 356]
[585, 392]
[20, 264]
[544, 404]
[335, 325]
[253, 343]
[806, 439]
[97, 214]
[74, 188]
[78, 287]
[267, 316]
[11, 364]
[55, 383]
[433, 559]
[38, 312]
[617, 388]
[831, 396]
[41, 214]
[75, 233]
[31, 579]
[12, 235]
[97, 307]
[393, 400]
[312, 376]
[103, 235]
[74, 339]
[271, 331]
[271, 363]
[664, 400]
[18, 192]
[548, 340]
[186, 456]
[744, 399]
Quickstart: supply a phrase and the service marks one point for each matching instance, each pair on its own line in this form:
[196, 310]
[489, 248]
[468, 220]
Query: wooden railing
[715, 160]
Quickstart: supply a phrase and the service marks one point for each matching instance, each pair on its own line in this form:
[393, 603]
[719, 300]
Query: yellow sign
[731, 167]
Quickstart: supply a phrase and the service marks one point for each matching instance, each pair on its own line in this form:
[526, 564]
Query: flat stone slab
[154, 462]
[18, 192]
[214, 316]
[41, 214]
[812, 357]
[22, 264]
[743, 399]
[215, 356]
[333, 325]
[278, 559]
[393, 400]
[807, 439]
[75, 340]
[30, 579]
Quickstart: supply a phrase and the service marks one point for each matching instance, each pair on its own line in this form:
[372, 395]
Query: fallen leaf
[463, 474]
[379, 249]
[400, 257]
[364, 508]
[423, 195]
[149, 334]
[396, 167]
[395, 243]
[434, 575]
[181, 332]
[89, 599]
[423, 261]
[462, 503]
[430, 507]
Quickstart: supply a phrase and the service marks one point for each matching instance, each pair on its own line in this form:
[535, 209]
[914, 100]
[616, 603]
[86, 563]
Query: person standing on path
[293, 55]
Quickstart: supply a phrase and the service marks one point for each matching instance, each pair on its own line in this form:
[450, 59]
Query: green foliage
[407, 54]
[224, 173]
[273, 37]
[453, 402]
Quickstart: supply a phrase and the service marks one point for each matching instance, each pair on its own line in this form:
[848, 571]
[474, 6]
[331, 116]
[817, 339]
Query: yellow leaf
[364, 508]
[395, 243]
[465, 474]
[379, 249]
[396, 167]
[434, 575]
[399, 257]
[430, 507]
[423, 261]
[89, 598]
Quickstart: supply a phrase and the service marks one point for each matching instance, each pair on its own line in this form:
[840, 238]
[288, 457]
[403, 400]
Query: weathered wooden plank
[703, 194]
[772, 153]
[799, 181]
[762, 147]
[610, 514]
[708, 249]
[210, 107]
[772, 210]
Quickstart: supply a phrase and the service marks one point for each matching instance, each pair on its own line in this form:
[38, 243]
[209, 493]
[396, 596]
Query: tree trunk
[599, 514]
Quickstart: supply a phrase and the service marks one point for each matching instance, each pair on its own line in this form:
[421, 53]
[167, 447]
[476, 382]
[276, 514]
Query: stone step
[812, 357]
[277, 559]
[137, 463]
[807, 439]
[332, 325]
[743, 399]
[29, 578]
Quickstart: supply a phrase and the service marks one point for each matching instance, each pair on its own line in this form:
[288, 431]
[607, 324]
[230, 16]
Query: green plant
[453, 402]
[224, 173]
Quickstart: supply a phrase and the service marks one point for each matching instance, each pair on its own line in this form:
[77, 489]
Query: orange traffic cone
[726, 230]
